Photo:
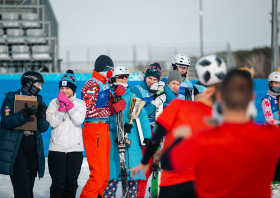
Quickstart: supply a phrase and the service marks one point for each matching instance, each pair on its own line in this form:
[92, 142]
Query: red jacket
[232, 161]
[181, 112]
[90, 92]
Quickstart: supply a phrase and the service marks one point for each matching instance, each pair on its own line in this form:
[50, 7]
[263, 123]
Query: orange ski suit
[97, 145]
[96, 136]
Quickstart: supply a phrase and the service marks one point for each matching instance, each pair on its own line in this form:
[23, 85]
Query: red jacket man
[96, 136]
[233, 155]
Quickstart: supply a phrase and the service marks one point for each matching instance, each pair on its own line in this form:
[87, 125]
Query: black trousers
[64, 170]
[25, 168]
[184, 190]
[277, 172]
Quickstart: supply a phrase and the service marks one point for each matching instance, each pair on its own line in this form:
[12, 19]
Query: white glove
[156, 85]
[161, 83]
[159, 100]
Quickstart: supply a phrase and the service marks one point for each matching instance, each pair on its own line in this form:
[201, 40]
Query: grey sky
[242, 23]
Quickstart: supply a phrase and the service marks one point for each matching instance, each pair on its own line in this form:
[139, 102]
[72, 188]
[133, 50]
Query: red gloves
[119, 106]
[119, 90]
[65, 103]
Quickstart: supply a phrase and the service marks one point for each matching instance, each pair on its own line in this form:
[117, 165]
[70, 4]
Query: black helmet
[31, 76]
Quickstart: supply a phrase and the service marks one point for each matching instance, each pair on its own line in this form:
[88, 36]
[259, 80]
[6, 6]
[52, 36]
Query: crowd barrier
[50, 90]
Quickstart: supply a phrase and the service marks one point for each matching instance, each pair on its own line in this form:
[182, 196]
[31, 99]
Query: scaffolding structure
[28, 36]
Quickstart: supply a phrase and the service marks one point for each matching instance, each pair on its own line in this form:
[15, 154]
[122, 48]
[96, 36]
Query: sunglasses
[71, 77]
[122, 76]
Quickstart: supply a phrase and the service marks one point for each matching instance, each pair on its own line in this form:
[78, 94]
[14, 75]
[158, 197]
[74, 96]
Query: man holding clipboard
[23, 119]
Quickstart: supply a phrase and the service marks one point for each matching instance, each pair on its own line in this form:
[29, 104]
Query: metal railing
[81, 58]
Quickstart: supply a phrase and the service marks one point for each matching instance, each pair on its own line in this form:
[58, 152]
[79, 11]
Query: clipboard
[31, 123]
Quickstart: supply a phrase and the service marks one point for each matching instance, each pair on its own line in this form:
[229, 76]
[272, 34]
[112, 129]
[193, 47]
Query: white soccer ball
[210, 70]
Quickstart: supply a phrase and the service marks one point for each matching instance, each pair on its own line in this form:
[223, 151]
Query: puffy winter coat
[142, 91]
[10, 139]
[134, 152]
[66, 132]
[270, 108]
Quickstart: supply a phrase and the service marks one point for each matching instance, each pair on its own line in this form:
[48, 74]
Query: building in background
[29, 39]
[28, 36]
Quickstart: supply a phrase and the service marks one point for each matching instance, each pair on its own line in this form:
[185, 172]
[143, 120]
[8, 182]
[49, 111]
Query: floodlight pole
[274, 38]
[201, 32]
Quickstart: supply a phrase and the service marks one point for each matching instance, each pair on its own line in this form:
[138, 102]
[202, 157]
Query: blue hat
[68, 80]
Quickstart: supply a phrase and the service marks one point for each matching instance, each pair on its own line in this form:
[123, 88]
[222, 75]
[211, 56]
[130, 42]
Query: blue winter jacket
[10, 139]
[150, 108]
[134, 152]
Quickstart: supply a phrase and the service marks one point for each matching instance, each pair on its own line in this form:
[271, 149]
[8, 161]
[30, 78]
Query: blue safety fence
[133, 76]
[50, 91]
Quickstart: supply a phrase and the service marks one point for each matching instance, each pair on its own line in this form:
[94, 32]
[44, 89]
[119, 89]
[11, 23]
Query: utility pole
[68, 58]
[201, 32]
[274, 38]
[88, 57]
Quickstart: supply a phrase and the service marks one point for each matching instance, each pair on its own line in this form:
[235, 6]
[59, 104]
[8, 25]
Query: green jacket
[10, 139]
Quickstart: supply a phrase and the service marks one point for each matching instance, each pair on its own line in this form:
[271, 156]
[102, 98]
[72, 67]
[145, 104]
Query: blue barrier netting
[50, 91]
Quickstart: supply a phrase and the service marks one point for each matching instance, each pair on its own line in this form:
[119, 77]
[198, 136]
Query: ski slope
[42, 186]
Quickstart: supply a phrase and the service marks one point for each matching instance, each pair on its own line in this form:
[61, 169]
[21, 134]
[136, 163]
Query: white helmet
[181, 59]
[273, 77]
[120, 70]
[210, 70]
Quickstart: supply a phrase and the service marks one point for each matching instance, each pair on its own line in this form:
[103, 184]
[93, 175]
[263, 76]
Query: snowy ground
[42, 186]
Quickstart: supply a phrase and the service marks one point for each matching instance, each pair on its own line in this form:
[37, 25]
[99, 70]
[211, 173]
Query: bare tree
[259, 62]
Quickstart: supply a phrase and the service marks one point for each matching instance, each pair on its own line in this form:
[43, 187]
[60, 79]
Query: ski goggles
[185, 67]
[71, 77]
[108, 68]
[122, 76]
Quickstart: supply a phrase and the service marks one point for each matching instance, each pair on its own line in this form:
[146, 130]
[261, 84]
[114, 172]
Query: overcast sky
[244, 24]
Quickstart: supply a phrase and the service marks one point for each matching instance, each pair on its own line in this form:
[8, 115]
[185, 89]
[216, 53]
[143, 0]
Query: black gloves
[127, 127]
[41, 113]
[27, 112]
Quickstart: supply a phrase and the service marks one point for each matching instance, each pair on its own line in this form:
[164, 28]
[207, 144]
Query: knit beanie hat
[103, 63]
[68, 80]
[153, 70]
[174, 75]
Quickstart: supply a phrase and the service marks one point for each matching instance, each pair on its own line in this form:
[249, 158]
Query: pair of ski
[154, 190]
[122, 149]
[156, 174]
